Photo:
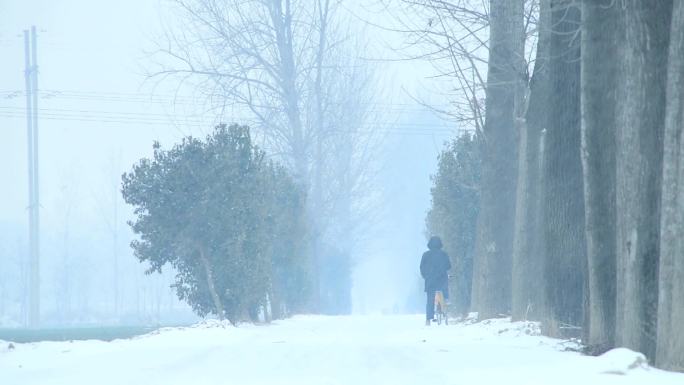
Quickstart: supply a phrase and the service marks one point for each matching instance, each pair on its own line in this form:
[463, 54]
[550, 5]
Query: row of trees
[581, 216]
[230, 222]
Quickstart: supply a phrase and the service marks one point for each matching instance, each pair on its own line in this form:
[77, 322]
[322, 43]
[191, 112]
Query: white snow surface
[319, 350]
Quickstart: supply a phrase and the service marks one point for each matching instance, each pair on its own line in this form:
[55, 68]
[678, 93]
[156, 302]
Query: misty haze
[342, 192]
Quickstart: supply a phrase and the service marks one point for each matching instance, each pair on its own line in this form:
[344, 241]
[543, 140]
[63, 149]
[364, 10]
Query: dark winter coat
[434, 266]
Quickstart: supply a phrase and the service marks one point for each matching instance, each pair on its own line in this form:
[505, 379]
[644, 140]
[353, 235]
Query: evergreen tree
[211, 210]
[290, 282]
[453, 215]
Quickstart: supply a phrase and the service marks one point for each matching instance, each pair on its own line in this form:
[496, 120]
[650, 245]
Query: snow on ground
[317, 350]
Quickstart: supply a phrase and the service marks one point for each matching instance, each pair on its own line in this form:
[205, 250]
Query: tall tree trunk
[670, 347]
[276, 293]
[527, 300]
[562, 197]
[640, 122]
[282, 19]
[211, 284]
[492, 266]
[601, 33]
[281, 16]
[323, 7]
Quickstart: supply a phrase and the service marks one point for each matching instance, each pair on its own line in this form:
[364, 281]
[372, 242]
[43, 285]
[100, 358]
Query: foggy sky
[103, 116]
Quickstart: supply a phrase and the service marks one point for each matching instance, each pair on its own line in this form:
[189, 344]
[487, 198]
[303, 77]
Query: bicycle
[440, 308]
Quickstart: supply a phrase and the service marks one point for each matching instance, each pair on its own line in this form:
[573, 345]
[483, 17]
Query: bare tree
[464, 40]
[249, 55]
[108, 203]
[291, 68]
[65, 278]
[455, 37]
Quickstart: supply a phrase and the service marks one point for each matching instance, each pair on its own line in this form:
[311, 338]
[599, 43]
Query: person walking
[433, 267]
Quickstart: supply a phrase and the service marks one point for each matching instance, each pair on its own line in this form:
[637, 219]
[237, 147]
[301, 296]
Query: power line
[194, 120]
[372, 129]
[158, 118]
[168, 98]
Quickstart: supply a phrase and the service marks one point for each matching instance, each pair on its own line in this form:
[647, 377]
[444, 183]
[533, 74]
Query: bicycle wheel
[440, 309]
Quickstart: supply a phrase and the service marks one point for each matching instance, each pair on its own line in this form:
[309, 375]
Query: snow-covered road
[314, 350]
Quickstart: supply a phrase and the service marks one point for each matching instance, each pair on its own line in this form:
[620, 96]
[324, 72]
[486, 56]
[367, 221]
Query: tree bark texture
[211, 284]
[287, 71]
[563, 195]
[670, 347]
[601, 33]
[640, 123]
[494, 246]
[527, 302]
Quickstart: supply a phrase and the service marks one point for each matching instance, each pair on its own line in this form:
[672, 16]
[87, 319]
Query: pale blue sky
[102, 117]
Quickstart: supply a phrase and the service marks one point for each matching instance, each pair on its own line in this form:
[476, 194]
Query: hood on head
[435, 243]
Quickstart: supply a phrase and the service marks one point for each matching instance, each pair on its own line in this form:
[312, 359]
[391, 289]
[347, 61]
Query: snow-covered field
[316, 350]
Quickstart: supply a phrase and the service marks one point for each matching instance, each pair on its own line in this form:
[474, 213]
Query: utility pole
[31, 77]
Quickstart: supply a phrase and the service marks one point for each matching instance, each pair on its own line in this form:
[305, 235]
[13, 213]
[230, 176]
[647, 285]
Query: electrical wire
[149, 118]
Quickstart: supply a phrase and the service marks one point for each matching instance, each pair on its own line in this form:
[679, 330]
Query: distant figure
[433, 267]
